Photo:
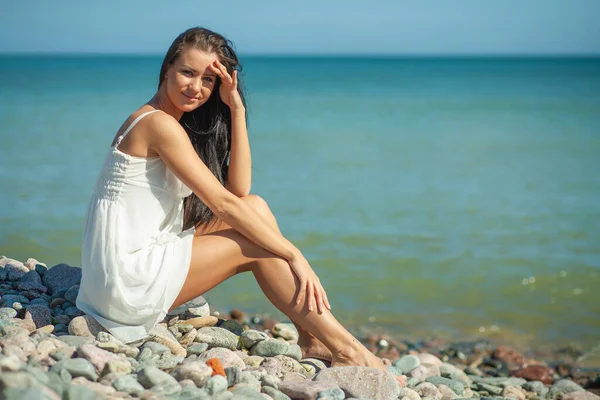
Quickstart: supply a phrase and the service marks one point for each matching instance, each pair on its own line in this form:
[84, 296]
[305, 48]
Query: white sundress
[135, 256]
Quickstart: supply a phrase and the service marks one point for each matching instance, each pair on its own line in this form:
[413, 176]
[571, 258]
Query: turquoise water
[458, 197]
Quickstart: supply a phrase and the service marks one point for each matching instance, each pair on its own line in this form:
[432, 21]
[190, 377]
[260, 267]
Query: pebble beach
[49, 349]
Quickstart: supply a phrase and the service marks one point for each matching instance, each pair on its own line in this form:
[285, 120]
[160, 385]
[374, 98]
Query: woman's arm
[239, 176]
[167, 138]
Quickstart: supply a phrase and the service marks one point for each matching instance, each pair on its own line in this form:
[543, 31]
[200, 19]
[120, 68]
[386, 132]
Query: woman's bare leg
[220, 255]
[310, 345]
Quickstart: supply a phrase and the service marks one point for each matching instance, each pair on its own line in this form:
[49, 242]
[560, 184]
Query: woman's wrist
[237, 110]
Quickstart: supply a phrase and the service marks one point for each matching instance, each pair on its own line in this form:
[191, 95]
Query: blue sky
[418, 27]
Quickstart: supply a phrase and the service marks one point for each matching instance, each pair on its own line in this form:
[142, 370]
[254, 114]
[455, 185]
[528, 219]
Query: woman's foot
[313, 348]
[357, 355]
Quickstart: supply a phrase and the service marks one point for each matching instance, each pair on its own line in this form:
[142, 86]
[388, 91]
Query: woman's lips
[190, 97]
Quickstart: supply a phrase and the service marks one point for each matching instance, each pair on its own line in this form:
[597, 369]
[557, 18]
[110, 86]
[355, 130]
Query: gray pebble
[216, 385]
[332, 394]
[128, 384]
[276, 394]
[457, 387]
[76, 367]
[7, 313]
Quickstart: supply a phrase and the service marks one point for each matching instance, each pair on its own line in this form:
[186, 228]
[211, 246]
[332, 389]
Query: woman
[145, 253]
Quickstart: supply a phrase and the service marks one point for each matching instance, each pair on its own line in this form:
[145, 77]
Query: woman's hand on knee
[310, 288]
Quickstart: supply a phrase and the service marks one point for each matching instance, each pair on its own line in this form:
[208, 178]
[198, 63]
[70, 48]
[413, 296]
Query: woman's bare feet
[313, 348]
[357, 355]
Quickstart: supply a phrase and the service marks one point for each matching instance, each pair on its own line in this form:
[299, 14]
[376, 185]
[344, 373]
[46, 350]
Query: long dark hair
[208, 126]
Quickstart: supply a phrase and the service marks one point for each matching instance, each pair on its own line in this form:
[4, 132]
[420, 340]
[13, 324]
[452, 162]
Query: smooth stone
[407, 363]
[491, 389]
[305, 389]
[128, 384]
[40, 315]
[429, 359]
[537, 387]
[61, 328]
[332, 394]
[160, 334]
[187, 339]
[11, 363]
[76, 341]
[61, 277]
[4, 261]
[62, 319]
[76, 367]
[152, 376]
[233, 375]
[276, 394]
[31, 263]
[244, 392]
[585, 395]
[250, 379]
[184, 328]
[7, 313]
[9, 299]
[450, 371]
[33, 393]
[564, 386]
[457, 387]
[85, 325]
[31, 281]
[294, 351]
[45, 329]
[314, 362]
[202, 311]
[216, 384]
[253, 361]
[513, 391]
[97, 357]
[197, 302]
[63, 353]
[41, 269]
[40, 302]
[14, 272]
[79, 392]
[201, 322]
[232, 326]
[227, 357]
[217, 337]
[270, 348]
[408, 394]
[73, 312]
[98, 388]
[428, 390]
[270, 380]
[194, 393]
[498, 381]
[286, 331]
[71, 294]
[361, 382]
[196, 371]
[197, 348]
[251, 337]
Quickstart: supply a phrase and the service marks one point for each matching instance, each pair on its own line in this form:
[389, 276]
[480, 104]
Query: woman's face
[189, 81]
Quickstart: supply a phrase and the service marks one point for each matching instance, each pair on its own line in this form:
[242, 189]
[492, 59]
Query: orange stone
[216, 366]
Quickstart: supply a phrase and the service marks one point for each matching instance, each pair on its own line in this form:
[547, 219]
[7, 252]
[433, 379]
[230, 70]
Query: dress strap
[135, 121]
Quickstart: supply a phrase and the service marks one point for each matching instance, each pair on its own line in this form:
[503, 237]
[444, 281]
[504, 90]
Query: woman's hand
[310, 285]
[228, 90]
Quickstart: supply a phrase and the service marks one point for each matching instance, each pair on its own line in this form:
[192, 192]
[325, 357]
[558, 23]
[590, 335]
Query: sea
[434, 197]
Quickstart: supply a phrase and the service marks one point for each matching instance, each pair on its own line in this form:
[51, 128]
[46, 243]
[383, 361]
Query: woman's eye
[188, 73]
[208, 79]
